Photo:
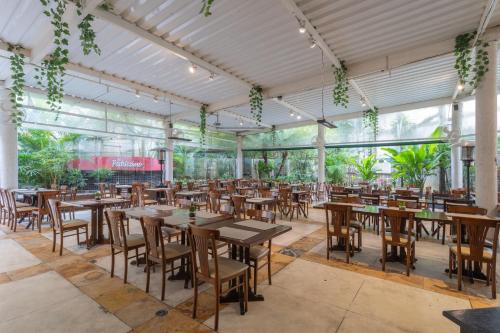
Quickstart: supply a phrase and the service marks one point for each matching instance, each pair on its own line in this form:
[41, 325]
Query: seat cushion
[175, 251]
[258, 251]
[351, 230]
[135, 240]
[150, 202]
[402, 238]
[465, 250]
[227, 267]
[72, 224]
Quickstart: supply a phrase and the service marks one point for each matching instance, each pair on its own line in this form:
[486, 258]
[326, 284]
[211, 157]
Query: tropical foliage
[366, 167]
[102, 174]
[414, 164]
[44, 157]
[336, 164]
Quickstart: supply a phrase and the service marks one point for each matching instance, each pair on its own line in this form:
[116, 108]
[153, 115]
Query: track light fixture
[302, 28]
[211, 77]
[312, 42]
[137, 94]
[363, 102]
[291, 113]
[155, 99]
[299, 117]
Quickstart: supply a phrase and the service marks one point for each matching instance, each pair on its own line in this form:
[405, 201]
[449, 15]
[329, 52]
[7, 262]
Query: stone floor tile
[174, 321]
[13, 256]
[140, 311]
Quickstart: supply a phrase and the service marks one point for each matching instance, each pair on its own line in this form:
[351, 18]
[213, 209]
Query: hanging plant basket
[471, 69]
[206, 6]
[256, 103]
[370, 120]
[203, 123]
[17, 89]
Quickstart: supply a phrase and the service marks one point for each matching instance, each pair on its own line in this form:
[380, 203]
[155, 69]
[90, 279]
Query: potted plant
[192, 210]
[98, 195]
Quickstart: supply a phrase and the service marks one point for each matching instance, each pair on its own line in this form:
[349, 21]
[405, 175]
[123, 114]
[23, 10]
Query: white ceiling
[256, 41]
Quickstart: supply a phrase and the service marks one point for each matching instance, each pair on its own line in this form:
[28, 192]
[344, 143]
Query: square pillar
[8, 144]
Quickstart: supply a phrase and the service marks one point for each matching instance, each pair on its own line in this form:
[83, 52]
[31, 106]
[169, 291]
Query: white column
[8, 143]
[239, 157]
[456, 132]
[169, 158]
[486, 136]
[321, 154]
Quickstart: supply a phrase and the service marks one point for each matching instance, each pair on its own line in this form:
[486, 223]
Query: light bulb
[313, 43]
[291, 114]
[192, 68]
[460, 87]
[302, 29]
[155, 99]
[241, 123]
[137, 94]
[299, 117]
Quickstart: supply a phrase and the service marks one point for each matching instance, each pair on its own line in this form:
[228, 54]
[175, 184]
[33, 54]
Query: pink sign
[116, 163]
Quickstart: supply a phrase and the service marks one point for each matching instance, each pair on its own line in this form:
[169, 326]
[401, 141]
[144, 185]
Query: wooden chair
[259, 252]
[404, 193]
[239, 206]
[157, 252]
[356, 220]
[4, 206]
[169, 196]
[121, 241]
[476, 230]
[398, 221]
[214, 201]
[61, 227]
[190, 186]
[338, 224]
[141, 198]
[42, 208]
[215, 271]
[15, 212]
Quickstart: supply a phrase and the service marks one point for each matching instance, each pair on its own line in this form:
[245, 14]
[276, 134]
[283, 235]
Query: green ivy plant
[341, 86]
[370, 119]
[470, 70]
[203, 123]
[206, 5]
[87, 33]
[273, 134]
[256, 103]
[17, 89]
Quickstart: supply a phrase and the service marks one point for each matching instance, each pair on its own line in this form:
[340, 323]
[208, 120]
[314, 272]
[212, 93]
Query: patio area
[249, 166]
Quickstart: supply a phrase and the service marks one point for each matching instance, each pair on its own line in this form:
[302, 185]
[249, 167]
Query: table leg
[100, 225]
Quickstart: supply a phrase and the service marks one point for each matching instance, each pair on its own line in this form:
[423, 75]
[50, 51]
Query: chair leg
[245, 290]
[255, 276]
[450, 260]
[137, 257]
[163, 272]
[217, 292]
[459, 274]
[54, 235]
[195, 301]
[328, 240]
[112, 262]
[61, 245]
[78, 236]
[125, 272]
[269, 268]
[87, 236]
[493, 280]
[148, 274]
[384, 255]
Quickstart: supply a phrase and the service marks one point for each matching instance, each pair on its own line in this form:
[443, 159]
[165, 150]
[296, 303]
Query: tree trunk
[442, 180]
[284, 155]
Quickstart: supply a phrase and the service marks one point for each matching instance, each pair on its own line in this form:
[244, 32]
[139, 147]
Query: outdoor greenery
[44, 157]
[206, 6]
[336, 164]
[414, 164]
[341, 86]
[102, 174]
[366, 167]
[470, 69]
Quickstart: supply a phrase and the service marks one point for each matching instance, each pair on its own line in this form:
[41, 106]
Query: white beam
[44, 45]
[180, 52]
[227, 113]
[295, 10]
[295, 109]
[483, 24]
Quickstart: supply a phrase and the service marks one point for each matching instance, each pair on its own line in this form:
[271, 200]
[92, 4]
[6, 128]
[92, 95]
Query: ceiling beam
[228, 113]
[114, 79]
[380, 64]
[45, 45]
[171, 47]
[483, 24]
[279, 100]
[297, 12]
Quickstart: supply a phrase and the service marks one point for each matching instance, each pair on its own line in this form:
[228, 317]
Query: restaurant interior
[249, 166]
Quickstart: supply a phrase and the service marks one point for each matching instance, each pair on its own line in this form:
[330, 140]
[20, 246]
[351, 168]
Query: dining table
[96, 206]
[259, 202]
[189, 194]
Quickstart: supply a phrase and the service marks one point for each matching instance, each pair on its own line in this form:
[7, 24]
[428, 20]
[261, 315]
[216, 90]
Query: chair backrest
[190, 186]
[112, 190]
[239, 205]
[373, 199]
[11, 200]
[397, 219]
[102, 188]
[214, 201]
[254, 214]
[43, 197]
[201, 241]
[226, 209]
[169, 196]
[116, 227]
[337, 189]
[455, 202]
[230, 189]
[338, 196]
[353, 200]
[184, 203]
[265, 193]
[55, 213]
[151, 229]
[405, 193]
[476, 229]
[461, 209]
[337, 216]
[269, 216]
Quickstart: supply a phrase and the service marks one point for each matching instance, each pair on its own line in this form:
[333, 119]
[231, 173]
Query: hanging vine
[256, 103]
[341, 86]
[273, 134]
[206, 5]
[17, 89]
[87, 33]
[370, 119]
[470, 70]
[203, 123]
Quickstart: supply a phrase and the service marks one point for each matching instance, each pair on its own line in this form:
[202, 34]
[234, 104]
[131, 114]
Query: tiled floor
[309, 293]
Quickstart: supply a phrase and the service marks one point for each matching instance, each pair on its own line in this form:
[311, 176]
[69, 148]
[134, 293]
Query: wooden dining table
[259, 202]
[179, 218]
[97, 215]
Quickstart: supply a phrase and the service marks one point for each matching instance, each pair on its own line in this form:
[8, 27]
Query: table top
[261, 236]
[483, 320]
[25, 191]
[96, 203]
[189, 193]
[156, 189]
[123, 186]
